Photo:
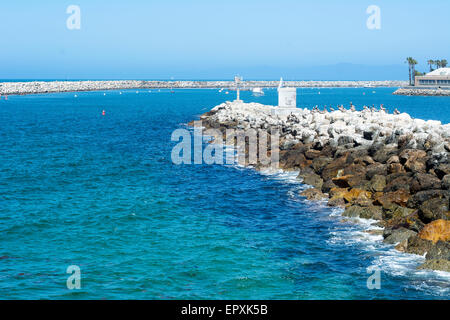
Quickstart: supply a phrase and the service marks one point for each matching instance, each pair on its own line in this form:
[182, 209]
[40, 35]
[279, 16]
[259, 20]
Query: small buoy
[103, 112]
[120, 92]
[137, 91]
[104, 94]
[75, 96]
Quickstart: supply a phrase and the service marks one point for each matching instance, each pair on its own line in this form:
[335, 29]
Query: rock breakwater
[422, 92]
[11, 88]
[387, 167]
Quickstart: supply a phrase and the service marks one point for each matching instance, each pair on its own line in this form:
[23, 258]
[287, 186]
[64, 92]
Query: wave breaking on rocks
[387, 167]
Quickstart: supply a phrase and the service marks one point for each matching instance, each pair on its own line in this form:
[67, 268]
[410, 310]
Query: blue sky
[216, 39]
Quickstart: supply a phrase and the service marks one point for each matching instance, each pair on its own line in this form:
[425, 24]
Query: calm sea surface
[101, 192]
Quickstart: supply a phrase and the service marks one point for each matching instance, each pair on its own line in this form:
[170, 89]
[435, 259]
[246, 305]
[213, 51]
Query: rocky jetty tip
[387, 167]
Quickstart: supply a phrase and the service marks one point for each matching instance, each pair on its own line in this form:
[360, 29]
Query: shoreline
[373, 165]
[35, 87]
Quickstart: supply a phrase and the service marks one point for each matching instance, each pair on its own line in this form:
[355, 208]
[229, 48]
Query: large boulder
[394, 211]
[446, 182]
[355, 169]
[343, 181]
[424, 181]
[312, 154]
[438, 230]
[327, 186]
[399, 197]
[336, 202]
[365, 160]
[353, 153]
[345, 140]
[337, 197]
[442, 170]
[383, 154]
[293, 159]
[441, 250]
[399, 217]
[420, 197]
[349, 181]
[370, 212]
[393, 159]
[312, 179]
[434, 209]
[377, 183]
[334, 167]
[393, 236]
[313, 194]
[417, 245]
[442, 265]
[376, 168]
[397, 181]
[320, 163]
[395, 168]
[357, 195]
[416, 166]
[413, 160]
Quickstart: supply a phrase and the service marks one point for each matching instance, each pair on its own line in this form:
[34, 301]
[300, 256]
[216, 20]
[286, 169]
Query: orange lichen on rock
[436, 230]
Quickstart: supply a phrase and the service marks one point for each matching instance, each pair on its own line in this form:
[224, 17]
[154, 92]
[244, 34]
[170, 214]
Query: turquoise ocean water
[101, 192]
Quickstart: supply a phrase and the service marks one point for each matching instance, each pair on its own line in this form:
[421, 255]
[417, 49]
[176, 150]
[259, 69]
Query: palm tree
[438, 64]
[431, 64]
[408, 61]
[414, 63]
[412, 69]
[444, 63]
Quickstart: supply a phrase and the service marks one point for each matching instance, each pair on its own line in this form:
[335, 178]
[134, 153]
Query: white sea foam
[389, 260]
[353, 232]
[280, 175]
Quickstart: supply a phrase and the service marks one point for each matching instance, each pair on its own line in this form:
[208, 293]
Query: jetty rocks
[34, 87]
[422, 92]
[390, 168]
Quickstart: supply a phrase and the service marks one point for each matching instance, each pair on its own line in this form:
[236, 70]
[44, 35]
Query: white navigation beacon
[287, 97]
[237, 82]
[287, 100]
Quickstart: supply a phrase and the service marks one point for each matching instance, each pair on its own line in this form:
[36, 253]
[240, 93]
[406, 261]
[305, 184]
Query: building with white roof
[437, 78]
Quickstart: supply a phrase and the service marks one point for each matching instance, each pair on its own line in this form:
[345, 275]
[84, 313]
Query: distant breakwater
[20, 88]
[387, 167]
[423, 92]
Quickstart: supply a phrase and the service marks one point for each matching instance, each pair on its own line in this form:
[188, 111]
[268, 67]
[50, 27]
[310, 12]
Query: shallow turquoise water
[77, 188]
